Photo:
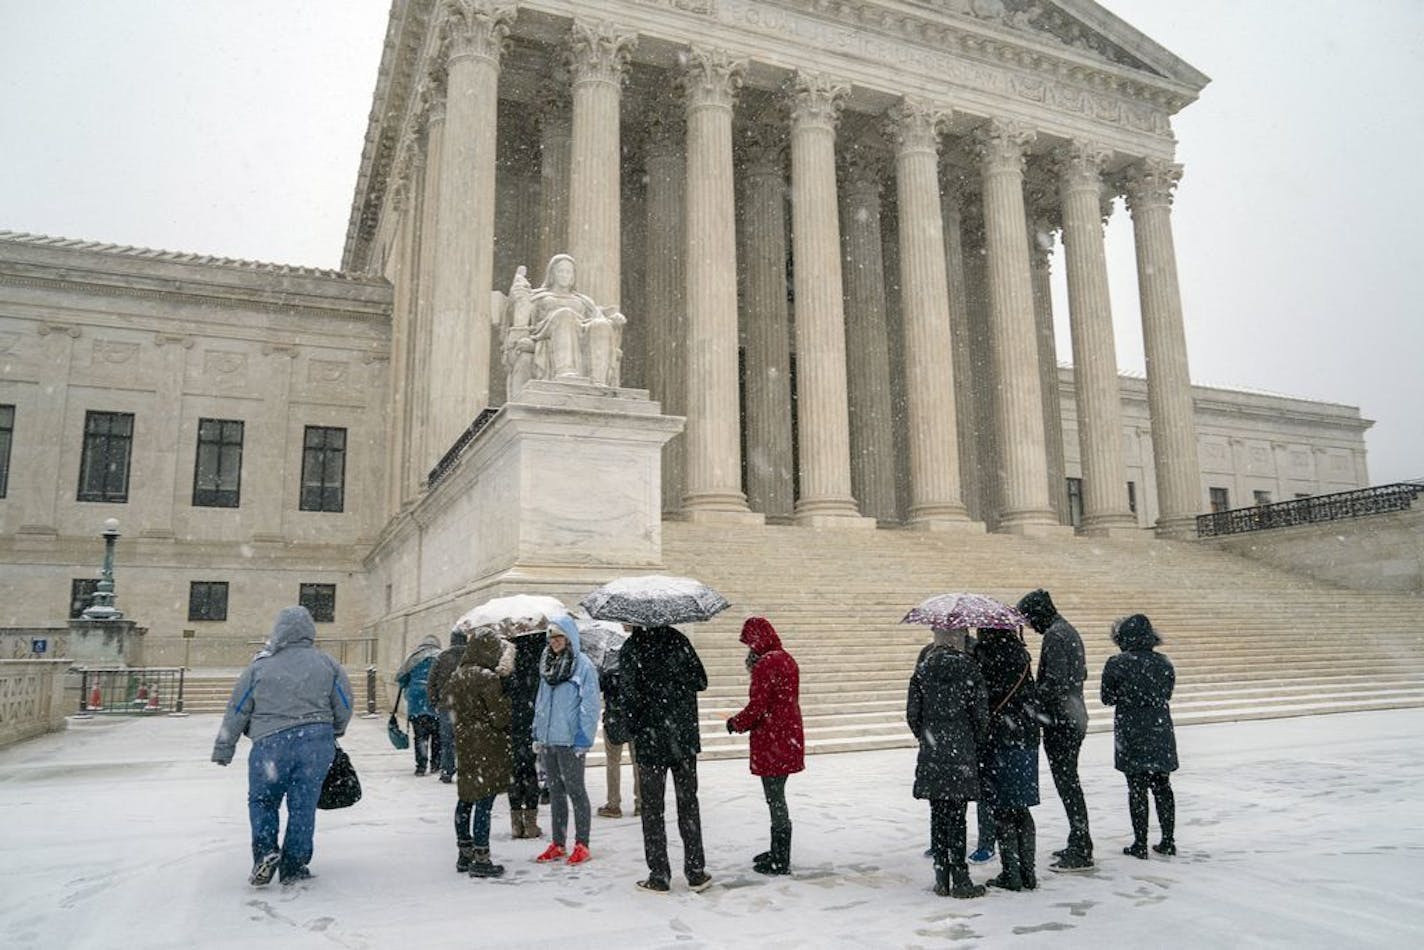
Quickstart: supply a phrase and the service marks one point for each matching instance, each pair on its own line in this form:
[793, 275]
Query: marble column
[713, 434]
[475, 33]
[822, 411]
[872, 443]
[424, 449]
[953, 193]
[765, 322]
[1095, 381]
[1024, 506]
[598, 60]
[1041, 206]
[1149, 186]
[665, 306]
[555, 142]
[935, 500]
[400, 271]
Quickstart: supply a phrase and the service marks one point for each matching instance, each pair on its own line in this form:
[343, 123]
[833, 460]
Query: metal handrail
[133, 691]
[1337, 506]
[448, 460]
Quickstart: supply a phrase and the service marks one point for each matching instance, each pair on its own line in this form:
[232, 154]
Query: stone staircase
[1248, 641]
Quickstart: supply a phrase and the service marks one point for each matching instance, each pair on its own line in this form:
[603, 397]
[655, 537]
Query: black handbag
[342, 787]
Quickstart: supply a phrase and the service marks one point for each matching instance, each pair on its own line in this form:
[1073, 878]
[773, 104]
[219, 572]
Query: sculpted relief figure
[555, 332]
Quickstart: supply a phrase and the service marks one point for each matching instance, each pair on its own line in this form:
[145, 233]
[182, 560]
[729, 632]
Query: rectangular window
[1220, 499]
[1075, 501]
[1132, 497]
[1261, 497]
[104, 468]
[323, 469]
[7, 434]
[207, 600]
[320, 599]
[217, 469]
[81, 595]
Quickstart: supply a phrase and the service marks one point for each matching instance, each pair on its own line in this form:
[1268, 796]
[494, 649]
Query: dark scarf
[557, 667]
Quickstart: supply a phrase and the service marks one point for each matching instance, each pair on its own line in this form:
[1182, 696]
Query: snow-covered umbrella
[600, 641]
[654, 600]
[962, 611]
[518, 614]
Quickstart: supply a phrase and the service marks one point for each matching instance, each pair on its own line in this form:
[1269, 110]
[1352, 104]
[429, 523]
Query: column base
[939, 519]
[1180, 528]
[1033, 524]
[718, 508]
[831, 513]
[1112, 526]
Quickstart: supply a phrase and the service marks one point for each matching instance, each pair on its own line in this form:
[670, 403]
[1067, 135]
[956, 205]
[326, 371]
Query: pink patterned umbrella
[962, 611]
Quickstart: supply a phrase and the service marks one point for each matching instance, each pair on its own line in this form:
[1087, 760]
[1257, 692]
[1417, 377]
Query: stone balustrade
[31, 698]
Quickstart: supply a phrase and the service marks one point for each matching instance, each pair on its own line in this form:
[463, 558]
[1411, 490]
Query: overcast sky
[234, 127]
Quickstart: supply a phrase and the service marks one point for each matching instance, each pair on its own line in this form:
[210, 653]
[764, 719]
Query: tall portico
[946, 90]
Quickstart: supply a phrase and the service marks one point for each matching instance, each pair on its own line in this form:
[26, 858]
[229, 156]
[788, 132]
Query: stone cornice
[977, 59]
[118, 271]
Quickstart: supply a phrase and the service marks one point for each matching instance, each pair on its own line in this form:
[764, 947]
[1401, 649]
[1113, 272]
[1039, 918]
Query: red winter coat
[773, 711]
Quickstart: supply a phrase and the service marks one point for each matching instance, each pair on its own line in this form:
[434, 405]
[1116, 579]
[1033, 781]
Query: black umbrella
[654, 600]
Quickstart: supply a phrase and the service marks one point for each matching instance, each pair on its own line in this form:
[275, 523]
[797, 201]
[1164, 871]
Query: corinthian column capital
[430, 98]
[815, 100]
[476, 28]
[600, 52]
[1079, 165]
[711, 77]
[1150, 183]
[913, 125]
[1002, 145]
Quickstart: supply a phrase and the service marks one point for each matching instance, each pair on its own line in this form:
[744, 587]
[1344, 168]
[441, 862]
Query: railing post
[83, 692]
[370, 690]
[178, 705]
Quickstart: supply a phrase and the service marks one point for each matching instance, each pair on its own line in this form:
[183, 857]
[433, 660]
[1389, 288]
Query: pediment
[1080, 25]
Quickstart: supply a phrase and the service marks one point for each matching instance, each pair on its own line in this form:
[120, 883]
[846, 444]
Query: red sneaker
[552, 853]
[580, 853]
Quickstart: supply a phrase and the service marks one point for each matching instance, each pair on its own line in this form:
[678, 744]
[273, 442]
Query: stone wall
[31, 698]
[1377, 552]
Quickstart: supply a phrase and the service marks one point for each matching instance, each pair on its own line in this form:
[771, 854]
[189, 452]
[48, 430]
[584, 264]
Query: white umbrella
[519, 613]
[654, 600]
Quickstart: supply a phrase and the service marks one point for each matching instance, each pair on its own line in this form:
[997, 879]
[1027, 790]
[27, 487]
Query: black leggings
[1161, 785]
[775, 788]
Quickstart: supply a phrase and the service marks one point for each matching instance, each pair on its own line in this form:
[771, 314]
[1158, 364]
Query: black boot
[780, 851]
[1028, 844]
[467, 855]
[961, 886]
[482, 866]
[761, 861]
[1138, 849]
[941, 885]
[1010, 878]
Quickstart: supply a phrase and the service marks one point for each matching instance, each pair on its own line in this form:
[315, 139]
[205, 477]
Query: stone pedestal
[106, 642]
[562, 486]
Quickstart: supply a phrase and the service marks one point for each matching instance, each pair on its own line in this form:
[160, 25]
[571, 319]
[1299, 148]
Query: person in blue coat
[1138, 684]
[413, 677]
[293, 701]
[566, 712]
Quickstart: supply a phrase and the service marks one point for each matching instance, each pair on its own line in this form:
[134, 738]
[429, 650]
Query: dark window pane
[104, 466]
[217, 469]
[81, 595]
[320, 599]
[323, 469]
[207, 600]
[7, 432]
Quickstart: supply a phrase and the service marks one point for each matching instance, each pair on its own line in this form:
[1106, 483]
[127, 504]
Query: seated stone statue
[555, 332]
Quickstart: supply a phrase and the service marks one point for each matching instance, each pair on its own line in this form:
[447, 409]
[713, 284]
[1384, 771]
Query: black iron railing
[1338, 506]
[448, 460]
[136, 691]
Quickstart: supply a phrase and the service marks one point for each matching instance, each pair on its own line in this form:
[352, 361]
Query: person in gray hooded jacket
[292, 701]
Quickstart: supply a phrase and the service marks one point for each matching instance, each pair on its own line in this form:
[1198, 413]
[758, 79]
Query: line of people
[979, 716]
[496, 709]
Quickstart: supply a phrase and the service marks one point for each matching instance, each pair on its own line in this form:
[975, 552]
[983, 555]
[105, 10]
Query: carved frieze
[113, 352]
[326, 371]
[224, 363]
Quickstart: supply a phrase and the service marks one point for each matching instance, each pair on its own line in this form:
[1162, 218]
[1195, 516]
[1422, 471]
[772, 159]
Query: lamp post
[102, 607]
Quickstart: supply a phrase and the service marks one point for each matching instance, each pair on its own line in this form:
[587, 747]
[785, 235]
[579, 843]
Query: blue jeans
[447, 743]
[289, 764]
[472, 821]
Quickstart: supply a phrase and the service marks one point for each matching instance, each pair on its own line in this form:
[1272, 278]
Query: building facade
[829, 226]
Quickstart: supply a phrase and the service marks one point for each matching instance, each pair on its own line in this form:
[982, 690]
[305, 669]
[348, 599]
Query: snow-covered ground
[1302, 833]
